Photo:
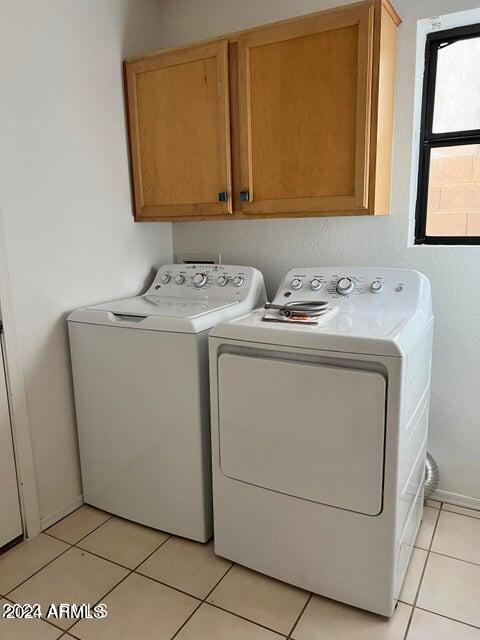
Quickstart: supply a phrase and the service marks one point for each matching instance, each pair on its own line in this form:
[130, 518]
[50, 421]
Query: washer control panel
[354, 287]
[203, 280]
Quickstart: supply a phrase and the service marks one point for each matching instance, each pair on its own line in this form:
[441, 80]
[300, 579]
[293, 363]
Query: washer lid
[166, 306]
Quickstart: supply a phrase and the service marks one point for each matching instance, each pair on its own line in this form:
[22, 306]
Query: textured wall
[276, 245]
[65, 198]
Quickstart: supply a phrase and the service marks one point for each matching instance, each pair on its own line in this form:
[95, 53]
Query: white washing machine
[319, 430]
[140, 372]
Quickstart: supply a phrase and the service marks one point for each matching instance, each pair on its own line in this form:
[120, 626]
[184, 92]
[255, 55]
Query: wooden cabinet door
[178, 111]
[304, 113]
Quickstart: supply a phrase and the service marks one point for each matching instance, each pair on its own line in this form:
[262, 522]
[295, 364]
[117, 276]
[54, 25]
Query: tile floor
[160, 587]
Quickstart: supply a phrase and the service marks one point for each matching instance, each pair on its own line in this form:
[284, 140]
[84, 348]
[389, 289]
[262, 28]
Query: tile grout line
[444, 555]
[169, 537]
[442, 615]
[38, 570]
[83, 537]
[417, 593]
[465, 515]
[430, 551]
[299, 616]
[42, 618]
[6, 596]
[134, 571]
[238, 615]
[118, 564]
[458, 506]
[69, 629]
[202, 602]
[165, 584]
[70, 546]
[130, 571]
[67, 516]
[96, 555]
[55, 538]
[74, 546]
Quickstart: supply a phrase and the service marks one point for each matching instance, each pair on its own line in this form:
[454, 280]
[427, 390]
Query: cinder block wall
[454, 194]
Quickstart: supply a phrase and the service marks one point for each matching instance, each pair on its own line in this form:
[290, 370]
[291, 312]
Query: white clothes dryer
[319, 430]
[140, 373]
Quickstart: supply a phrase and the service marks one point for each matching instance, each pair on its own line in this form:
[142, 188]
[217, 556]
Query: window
[448, 198]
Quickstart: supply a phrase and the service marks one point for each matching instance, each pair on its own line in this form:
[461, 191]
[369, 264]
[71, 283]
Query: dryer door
[311, 431]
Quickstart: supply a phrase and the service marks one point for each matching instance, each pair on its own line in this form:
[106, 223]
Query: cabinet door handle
[244, 195]
[222, 196]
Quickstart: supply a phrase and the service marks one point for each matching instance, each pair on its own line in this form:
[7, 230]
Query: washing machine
[140, 374]
[319, 411]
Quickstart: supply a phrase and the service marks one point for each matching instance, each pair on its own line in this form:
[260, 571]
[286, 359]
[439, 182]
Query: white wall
[276, 245]
[65, 197]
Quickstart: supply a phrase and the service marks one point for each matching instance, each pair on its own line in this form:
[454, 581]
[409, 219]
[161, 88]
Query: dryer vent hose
[432, 476]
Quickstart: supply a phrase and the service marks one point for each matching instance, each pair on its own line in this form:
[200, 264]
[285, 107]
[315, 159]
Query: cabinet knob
[244, 195]
[222, 196]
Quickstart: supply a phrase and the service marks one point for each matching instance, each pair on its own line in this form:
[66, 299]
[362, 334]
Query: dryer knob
[222, 281]
[179, 279]
[199, 280]
[345, 286]
[315, 284]
[237, 281]
[165, 278]
[296, 283]
[376, 286]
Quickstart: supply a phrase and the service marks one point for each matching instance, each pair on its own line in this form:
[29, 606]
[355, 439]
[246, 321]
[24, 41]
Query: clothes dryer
[319, 408]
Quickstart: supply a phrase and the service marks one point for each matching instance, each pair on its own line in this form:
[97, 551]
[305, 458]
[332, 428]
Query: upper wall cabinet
[180, 132]
[290, 119]
[304, 112]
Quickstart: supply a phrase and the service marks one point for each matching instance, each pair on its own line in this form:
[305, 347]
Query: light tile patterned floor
[160, 587]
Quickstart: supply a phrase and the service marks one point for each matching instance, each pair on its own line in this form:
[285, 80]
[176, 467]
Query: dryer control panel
[360, 288]
[216, 281]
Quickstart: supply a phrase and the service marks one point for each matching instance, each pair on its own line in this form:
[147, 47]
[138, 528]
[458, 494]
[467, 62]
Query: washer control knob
[345, 286]
[315, 284]
[238, 281]
[165, 278]
[222, 281]
[376, 286]
[199, 280]
[296, 283]
[179, 279]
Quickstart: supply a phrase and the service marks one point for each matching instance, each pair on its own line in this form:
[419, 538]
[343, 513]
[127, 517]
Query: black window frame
[428, 140]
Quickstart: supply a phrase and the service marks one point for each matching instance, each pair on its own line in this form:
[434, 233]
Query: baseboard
[57, 515]
[456, 498]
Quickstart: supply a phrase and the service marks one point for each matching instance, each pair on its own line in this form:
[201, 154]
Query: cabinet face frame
[219, 51]
[361, 15]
